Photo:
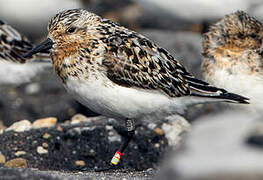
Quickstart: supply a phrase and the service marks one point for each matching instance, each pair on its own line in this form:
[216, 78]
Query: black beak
[43, 47]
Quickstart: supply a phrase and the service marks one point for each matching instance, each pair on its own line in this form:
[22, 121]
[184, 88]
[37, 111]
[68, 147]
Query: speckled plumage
[232, 56]
[13, 45]
[120, 73]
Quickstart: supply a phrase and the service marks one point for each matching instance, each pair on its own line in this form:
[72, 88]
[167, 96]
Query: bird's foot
[106, 168]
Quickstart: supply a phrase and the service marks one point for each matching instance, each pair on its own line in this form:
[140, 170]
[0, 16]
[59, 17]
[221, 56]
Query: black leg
[126, 138]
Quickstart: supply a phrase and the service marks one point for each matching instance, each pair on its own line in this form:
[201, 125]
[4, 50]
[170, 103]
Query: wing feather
[132, 60]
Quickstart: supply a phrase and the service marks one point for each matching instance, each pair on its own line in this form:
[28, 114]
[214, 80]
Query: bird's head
[67, 31]
[235, 31]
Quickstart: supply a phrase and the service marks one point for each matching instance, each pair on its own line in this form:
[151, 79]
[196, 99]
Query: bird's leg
[127, 136]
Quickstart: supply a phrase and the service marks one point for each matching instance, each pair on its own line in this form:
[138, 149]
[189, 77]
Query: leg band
[116, 158]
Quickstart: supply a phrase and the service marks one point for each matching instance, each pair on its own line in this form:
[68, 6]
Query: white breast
[102, 96]
[245, 84]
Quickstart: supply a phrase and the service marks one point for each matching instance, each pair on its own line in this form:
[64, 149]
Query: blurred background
[175, 25]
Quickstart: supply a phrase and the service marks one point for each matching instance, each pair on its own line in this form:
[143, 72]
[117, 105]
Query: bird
[233, 57]
[13, 45]
[120, 73]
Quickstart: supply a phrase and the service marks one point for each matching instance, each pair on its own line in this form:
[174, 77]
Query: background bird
[232, 57]
[119, 73]
[12, 47]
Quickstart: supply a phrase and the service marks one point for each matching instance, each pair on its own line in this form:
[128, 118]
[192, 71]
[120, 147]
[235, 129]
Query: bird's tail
[226, 97]
[200, 88]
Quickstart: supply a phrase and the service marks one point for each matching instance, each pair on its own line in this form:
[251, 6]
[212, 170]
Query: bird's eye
[71, 30]
[253, 36]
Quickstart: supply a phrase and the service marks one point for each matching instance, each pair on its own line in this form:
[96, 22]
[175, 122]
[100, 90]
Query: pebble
[45, 123]
[16, 163]
[152, 125]
[20, 126]
[78, 118]
[59, 128]
[19, 153]
[107, 127]
[41, 150]
[156, 145]
[80, 163]
[45, 145]
[46, 136]
[159, 131]
[2, 158]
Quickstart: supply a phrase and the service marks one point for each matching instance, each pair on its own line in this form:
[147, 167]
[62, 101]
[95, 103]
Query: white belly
[101, 96]
[250, 86]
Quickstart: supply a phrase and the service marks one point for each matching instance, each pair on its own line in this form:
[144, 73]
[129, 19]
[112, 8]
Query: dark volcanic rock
[93, 142]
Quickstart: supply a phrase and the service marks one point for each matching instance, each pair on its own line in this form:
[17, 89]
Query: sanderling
[119, 73]
[232, 57]
[13, 45]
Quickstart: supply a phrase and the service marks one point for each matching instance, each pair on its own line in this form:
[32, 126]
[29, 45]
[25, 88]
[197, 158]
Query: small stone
[46, 136]
[20, 126]
[80, 163]
[2, 158]
[19, 153]
[152, 125]
[45, 145]
[16, 163]
[67, 122]
[107, 127]
[78, 118]
[45, 123]
[158, 131]
[59, 128]
[41, 150]
[92, 152]
[156, 145]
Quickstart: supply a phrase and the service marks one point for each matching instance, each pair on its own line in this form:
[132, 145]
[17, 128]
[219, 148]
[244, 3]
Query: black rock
[94, 143]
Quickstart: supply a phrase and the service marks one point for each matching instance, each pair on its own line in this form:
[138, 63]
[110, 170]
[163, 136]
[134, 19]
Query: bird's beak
[42, 47]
